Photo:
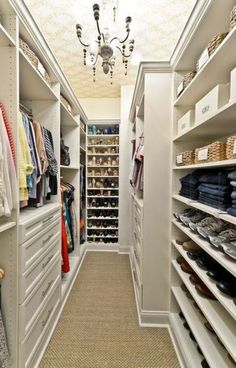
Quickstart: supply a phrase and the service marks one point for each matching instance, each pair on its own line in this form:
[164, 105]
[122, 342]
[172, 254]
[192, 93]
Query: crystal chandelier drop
[104, 47]
[114, 4]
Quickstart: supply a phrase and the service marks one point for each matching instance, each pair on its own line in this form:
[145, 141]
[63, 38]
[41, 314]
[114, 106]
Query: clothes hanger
[2, 273]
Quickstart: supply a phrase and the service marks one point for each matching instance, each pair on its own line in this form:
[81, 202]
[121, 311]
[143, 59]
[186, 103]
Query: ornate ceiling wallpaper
[156, 26]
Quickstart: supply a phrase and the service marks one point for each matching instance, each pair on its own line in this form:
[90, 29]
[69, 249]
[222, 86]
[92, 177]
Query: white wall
[125, 162]
[101, 108]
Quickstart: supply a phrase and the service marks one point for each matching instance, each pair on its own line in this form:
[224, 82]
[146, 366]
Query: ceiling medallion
[104, 47]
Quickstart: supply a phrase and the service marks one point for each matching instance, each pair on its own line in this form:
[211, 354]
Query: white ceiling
[156, 26]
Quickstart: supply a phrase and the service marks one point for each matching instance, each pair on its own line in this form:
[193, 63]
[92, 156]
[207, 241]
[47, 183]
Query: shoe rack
[202, 317]
[102, 165]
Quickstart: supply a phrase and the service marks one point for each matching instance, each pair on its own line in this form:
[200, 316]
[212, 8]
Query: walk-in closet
[118, 184]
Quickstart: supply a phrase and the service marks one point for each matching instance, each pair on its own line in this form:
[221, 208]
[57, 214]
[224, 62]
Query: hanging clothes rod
[2, 273]
[25, 109]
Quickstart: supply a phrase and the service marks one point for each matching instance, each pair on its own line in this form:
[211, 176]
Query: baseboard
[124, 249]
[94, 247]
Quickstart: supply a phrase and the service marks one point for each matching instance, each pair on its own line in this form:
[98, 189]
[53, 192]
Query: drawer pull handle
[47, 318]
[47, 262]
[45, 241]
[48, 219]
[45, 291]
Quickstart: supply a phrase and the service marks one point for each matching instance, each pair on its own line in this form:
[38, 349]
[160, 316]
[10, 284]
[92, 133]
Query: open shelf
[213, 126]
[221, 258]
[32, 84]
[102, 228]
[102, 188]
[102, 154]
[102, 135]
[98, 196]
[67, 119]
[69, 167]
[208, 209]
[5, 38]
[189, 351]
[215, 71]
[103, 176]
[214, 353]
[7, 226]
[213, 164]
[102, 166]
[102, 218]
[224, 300]
[103, 208]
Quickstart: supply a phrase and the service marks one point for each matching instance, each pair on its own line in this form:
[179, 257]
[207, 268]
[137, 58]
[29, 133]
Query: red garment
[9, 131]
[64, 247]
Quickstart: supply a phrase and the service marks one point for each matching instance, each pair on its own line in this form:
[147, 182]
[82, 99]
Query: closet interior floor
[99, 325]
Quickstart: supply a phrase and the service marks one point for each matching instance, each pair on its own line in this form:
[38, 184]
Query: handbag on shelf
[65, 155]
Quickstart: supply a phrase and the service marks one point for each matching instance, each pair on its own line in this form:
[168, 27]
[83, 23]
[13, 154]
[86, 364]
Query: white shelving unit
[102, 146]
[209, 18]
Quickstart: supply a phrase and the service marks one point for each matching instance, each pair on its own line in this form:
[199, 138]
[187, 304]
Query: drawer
[36, 220]
[32, 340]
[31, 277]
[32, 249]
[32, 306]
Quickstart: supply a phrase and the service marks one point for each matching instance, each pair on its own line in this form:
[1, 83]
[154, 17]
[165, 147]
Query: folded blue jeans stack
[232, 209]
[189, 185]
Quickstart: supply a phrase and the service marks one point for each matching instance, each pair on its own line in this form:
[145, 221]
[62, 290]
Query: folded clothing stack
[214, 189]
[189, 185]
[232, 209]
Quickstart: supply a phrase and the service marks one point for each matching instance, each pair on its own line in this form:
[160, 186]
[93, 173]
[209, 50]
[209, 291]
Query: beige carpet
[99, 326]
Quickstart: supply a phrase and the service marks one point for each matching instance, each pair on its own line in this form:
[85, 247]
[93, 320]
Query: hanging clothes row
[38, 166]
[4, 354]
[8, 180]
[69, 223]
[136, 172]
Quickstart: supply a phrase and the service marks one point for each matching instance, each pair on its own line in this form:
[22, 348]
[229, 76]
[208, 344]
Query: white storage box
[211, 102]
[233, 85]
[186, 121]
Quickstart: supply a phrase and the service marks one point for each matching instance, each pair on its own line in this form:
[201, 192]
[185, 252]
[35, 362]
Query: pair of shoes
[225, 236]
[229, 249]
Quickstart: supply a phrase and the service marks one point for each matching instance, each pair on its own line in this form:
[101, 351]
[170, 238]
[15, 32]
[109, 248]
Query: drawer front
[30, 278]
[38, 223]
[32, 340]
[32, 249]
[32, 306]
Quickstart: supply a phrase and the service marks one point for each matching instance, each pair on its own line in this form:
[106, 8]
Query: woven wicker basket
[213, 152]
[33, 58]
[232, 18]
[213, 45]
[185, 158]
[66, 103]
[188, 78]
[231, 148]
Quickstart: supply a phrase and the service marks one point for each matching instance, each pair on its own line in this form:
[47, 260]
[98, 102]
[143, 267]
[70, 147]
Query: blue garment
[232, 211]
[214, 177]
[217, 192]
[232, 175]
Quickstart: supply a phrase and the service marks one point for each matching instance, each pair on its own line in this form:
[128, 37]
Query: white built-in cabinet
[33, 291]
[150, 115]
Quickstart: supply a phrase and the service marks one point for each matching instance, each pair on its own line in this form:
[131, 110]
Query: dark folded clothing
[187, 185]
[231, 211]
[233, 194]
[216, 186]
[189, 195]
[226, 197]
[218, 192]
[232, 175]
[234, 201]
[221, 207]
[215, 200]
[214, 177]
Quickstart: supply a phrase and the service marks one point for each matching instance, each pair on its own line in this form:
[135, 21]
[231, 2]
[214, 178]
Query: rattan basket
[185, 158]
[232, 18]
[231, 147]
[33, 58]
[213, 45]
[66, 103]
[212, 152]
[189, 77]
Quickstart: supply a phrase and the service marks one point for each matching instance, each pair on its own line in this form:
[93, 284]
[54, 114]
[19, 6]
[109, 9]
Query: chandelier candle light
[105, 46]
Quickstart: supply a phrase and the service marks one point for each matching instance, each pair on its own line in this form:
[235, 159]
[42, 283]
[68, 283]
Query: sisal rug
[99, 327]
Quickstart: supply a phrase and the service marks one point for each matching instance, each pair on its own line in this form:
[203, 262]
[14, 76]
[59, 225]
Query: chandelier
[105, 47]
[114, 4]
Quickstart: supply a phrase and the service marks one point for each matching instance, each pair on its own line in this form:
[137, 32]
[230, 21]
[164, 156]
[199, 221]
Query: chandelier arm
[99, 32]
[119, 50]
[84, 44]
[95, 62]
[123, 41]
[127, 56]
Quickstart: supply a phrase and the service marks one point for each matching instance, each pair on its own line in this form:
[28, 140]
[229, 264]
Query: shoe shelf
[215, 354]
[208, 209]
[69, 167]
[188, 348]
[212, 125]
[206, 165]
[225, 301]
[67, 118]
[218, 67]
[221, 258]
[100, 150]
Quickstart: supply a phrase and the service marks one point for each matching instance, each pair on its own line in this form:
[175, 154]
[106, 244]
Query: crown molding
[29, 23]
[146, 67]
[197, 14]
